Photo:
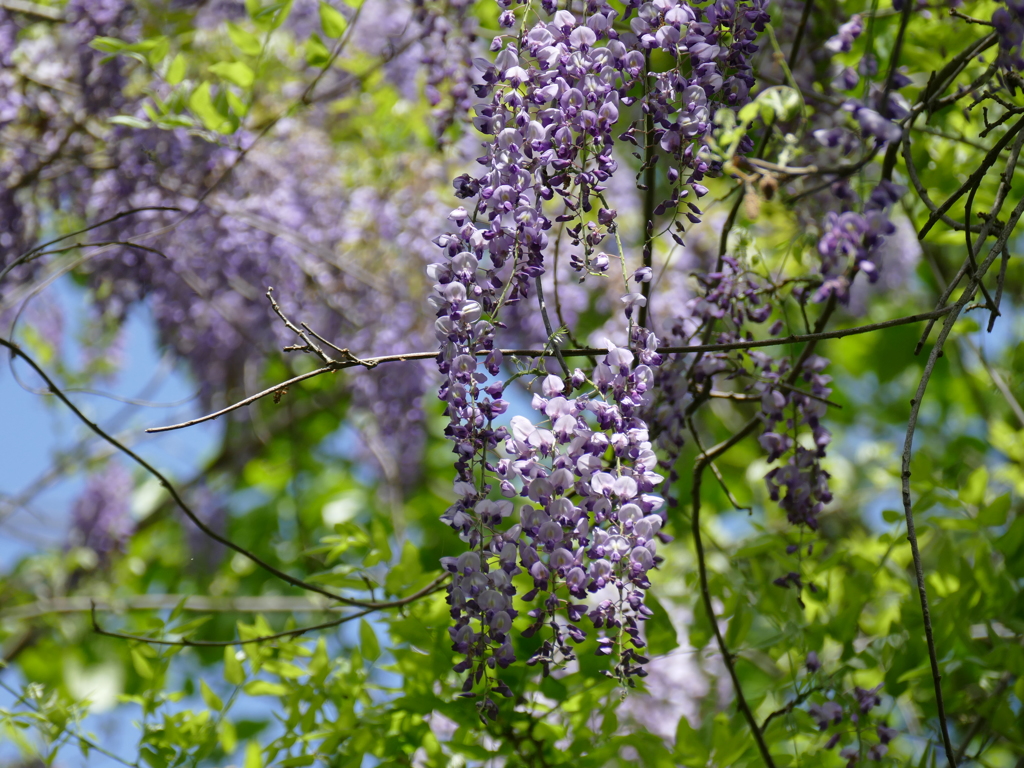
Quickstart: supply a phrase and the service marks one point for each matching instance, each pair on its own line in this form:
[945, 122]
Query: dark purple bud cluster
[447, 33]
[875, 118]
[851, 242]
[842, 41]
[793, 400]
[713, 48]
[1008, 22]
[830, 713]
[732, 298]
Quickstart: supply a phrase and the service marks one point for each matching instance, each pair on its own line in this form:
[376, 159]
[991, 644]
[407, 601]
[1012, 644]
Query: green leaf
[246, 41]
[316, 52]
[176, 71]
[320, 663]
[253, 758]
[109, 44]
[212, 699]
[749, 112]
[284, 669]
[234, 72]
[892, 516]
[271, 17]
[159, 51]
[973, 492]
[227, 736]
[201, 103]
[265, 688]
[333, 23]
[300, 760]
[368, 641]
[661, 635]
[131, 122]
[141, 664]
[995, 513]
[690, 746]
[233, 671]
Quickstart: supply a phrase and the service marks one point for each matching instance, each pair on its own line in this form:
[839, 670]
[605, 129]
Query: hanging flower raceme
[583, 469]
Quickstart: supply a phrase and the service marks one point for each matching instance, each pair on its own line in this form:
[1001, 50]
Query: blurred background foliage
[340, 480]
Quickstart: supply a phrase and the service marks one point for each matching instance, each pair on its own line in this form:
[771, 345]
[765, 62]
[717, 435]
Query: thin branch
[799, 37]
[35, 252]
[999, 288]
[547, 327]
[1004, 188]
[894, 59]
[969, 19]
[73, 733]
[996, 696]
[295, 582]
[253, 398]
[790, 706]
[922, 193]
[974, 179]
[154, 602]
[581, 352]
[185, 642]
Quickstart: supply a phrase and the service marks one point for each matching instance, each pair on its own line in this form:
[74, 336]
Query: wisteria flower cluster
[586, 463]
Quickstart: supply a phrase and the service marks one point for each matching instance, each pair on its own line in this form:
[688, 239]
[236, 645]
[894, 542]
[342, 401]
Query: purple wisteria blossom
[101, 516]
[584, 468]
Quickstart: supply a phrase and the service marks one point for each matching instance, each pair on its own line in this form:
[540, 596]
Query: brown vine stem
[705, 591]
[185, 642]
[650, 184]
[798, 40]
[703, 460]
[547, 327]
[915, 407]
[579, 352]
[16, 351]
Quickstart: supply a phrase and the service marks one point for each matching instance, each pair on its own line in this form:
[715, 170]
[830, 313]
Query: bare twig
[1004, 187]
[427, 590]
[999, 288]
[38, 250]
[155, 602]
[580, 352]
[249, 400]
[796, 702]
[309, 345]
